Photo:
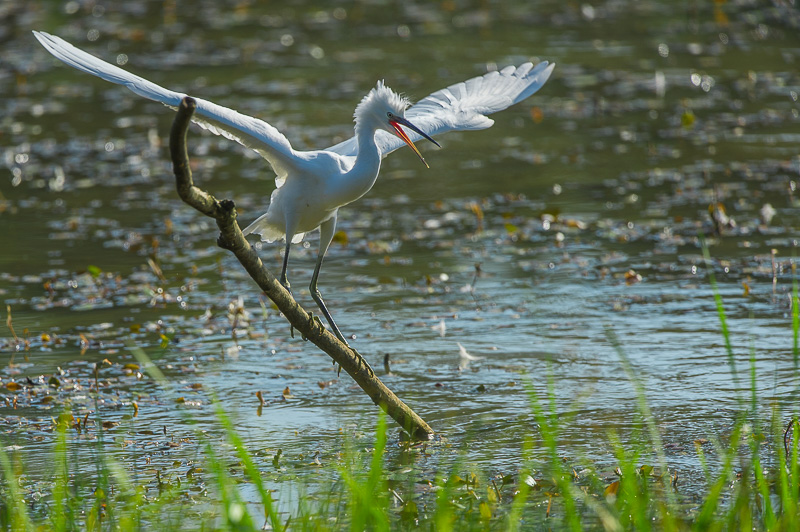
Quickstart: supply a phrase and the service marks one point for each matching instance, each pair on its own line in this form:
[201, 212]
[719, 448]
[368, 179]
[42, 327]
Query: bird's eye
[389, 114]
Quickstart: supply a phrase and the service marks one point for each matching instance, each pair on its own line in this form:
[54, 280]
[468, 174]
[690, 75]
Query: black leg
[283, 280]
[321, 304]
[326, 230]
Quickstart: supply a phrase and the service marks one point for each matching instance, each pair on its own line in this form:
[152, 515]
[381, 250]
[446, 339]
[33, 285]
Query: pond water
[574, 219]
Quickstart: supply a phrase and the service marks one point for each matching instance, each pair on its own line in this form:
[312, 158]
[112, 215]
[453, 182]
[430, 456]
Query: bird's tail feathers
[268, 231]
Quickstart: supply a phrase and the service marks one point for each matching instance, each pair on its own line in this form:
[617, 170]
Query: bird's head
[382, 108]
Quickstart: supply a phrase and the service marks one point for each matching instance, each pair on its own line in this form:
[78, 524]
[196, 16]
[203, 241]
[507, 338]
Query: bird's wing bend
[463, 106]
[248, 131]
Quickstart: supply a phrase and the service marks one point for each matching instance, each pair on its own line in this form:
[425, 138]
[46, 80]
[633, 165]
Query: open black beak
[398, 121]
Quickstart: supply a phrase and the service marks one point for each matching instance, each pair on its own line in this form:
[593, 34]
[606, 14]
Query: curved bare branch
[232, 239]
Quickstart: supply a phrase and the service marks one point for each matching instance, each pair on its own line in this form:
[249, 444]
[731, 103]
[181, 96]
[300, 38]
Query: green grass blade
[523, 488]
[723, 322]
[795, 321]
[249, 467]
[60, 513]
[548, 427]
[706, 518]
[18, 518]
[649, 419]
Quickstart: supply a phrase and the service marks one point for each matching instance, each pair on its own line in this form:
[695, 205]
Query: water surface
[576, 218]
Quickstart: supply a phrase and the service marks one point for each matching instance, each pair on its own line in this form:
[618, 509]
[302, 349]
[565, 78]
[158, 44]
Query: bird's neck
[364, 173]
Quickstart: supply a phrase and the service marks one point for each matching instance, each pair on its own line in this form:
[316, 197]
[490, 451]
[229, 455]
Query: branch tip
[189, 103]
[227, 205]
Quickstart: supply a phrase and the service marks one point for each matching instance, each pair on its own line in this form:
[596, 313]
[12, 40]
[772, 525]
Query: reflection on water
[578, 213]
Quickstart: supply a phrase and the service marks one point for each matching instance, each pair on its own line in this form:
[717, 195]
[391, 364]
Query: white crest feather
[379, 100]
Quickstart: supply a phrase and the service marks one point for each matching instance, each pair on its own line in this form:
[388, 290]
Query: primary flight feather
[313, 185]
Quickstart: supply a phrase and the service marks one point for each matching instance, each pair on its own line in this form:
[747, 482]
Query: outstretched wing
[249, 131]
[463, 106]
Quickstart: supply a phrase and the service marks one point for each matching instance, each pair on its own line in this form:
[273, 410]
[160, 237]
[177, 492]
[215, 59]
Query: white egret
[313, 185]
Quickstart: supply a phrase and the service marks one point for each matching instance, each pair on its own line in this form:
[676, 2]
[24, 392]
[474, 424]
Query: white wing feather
[248, 131]
[463, 106]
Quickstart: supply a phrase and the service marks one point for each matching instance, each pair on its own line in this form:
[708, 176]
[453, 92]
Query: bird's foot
[312, 319]
[363, 361]
[315, 319]
[285, 283]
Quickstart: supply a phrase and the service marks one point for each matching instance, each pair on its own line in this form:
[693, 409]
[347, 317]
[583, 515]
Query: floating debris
[464, 358]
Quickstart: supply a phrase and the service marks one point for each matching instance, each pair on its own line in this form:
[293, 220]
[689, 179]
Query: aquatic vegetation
[585, 218]
[229, 486]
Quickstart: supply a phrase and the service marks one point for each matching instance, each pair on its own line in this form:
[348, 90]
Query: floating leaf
[287, 394]
[612, 489]
[632, 277]
[478, 212]
[94, 271]
[687, 119]
[538, 483]
[340, 237]
[54, 382]
[156, 269]
[13, 386]
[132, 367]
[577, 224]
[84, 343]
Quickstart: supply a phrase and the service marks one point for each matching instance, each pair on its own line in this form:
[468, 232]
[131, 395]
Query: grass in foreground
[742, 492]
[754, 484]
